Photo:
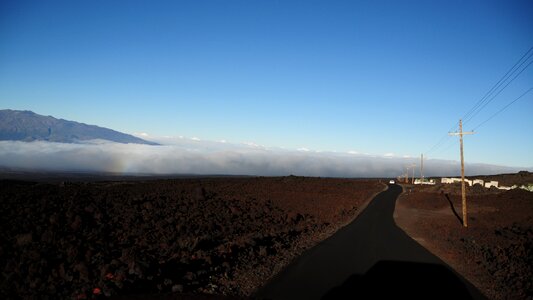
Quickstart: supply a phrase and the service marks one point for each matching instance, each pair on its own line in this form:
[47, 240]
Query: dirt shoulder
[495, 252]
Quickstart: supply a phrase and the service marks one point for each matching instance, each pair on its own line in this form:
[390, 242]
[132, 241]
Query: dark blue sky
[373, 77]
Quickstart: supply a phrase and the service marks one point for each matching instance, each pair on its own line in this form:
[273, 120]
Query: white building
[454, 180]
[479, 181]
[430, 182]
[449, 180]
[528, 187]
[488, 184]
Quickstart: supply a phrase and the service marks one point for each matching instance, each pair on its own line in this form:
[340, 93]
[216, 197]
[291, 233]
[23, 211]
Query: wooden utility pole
[463, 187]
[422, 168]
[411, 167]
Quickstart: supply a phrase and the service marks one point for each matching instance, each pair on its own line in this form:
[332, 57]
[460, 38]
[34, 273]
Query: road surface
[369, 258]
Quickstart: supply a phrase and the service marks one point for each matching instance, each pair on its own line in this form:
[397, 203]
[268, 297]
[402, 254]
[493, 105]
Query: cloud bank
[194, 156]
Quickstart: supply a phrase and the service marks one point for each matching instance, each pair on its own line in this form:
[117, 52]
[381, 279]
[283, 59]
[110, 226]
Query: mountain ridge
[25, 125]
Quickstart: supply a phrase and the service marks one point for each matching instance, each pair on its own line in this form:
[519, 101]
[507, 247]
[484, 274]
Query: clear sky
[368, 76]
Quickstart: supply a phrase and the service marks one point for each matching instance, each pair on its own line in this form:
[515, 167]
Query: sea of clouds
[194, 156]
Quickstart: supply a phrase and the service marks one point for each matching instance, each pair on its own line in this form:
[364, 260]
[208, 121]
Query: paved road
[369, 258]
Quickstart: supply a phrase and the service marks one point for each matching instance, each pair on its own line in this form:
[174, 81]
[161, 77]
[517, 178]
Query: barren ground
[495, 252]
[200, 236]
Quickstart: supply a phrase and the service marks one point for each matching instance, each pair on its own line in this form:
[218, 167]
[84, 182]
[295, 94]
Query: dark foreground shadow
[453, 208]
[402, 280]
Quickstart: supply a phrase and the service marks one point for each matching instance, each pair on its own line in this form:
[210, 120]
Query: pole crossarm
[461, 133]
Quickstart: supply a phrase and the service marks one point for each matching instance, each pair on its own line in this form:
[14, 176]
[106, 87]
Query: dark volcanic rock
[209, 236]
[496, 250]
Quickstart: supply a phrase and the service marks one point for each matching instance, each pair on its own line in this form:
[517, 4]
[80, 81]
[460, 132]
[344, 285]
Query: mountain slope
[28, 126]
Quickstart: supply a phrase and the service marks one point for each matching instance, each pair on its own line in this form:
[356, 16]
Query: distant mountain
[16, 125]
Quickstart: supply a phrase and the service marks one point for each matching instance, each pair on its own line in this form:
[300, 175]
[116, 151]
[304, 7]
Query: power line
[504, 108]
[499, 83]
[492, 98]
[450, 146]
[437, 145]
[447, 146]
[443, 145]
[492, 93]
[442, 141]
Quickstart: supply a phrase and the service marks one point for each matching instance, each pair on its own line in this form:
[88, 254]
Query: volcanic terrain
[221, 236]
[495, 251]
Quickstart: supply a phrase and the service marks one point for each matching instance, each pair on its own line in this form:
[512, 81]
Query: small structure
[479, 181]
[430, 181]
[454, 180]
[489, 184]
[528, 187]
[449, 180]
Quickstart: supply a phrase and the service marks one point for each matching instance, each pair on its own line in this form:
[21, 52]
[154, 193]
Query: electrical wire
[508, 74]
[492, 98]
[492, 93]
[503, 108]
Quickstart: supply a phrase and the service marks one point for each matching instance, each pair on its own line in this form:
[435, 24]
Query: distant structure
[478, 181]
[449, 180]
[425, 181]
[528, 187]
[489, 184]
[454, 180]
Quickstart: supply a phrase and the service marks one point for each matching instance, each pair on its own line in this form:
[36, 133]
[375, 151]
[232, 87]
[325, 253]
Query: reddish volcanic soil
[221, 236]
[495, 252]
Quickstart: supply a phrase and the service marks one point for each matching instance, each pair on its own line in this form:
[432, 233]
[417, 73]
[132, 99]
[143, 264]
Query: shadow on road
[453, 208]
[401, 280]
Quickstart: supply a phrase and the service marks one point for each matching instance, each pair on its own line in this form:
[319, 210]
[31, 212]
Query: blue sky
[373, 77]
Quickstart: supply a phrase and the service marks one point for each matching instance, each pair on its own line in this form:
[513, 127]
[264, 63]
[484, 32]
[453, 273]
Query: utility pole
[422, 167]
[411, 167]
[463, 187]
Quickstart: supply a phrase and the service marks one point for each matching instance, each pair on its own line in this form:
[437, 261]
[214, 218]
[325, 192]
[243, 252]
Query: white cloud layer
[193, 156]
